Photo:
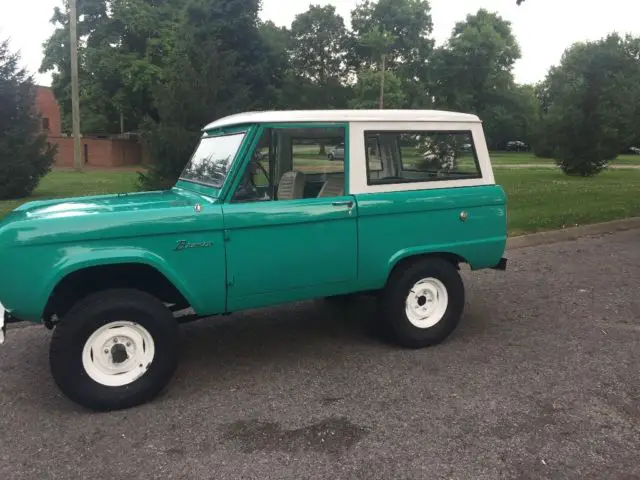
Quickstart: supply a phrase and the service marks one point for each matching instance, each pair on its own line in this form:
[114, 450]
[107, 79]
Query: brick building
[50, 111]
[103, 151]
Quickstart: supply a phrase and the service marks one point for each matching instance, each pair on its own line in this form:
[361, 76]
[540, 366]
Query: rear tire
[114, 350]
[422, 303]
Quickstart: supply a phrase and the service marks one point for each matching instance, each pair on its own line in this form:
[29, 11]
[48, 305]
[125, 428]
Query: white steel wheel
[118, 353]
[426, 303]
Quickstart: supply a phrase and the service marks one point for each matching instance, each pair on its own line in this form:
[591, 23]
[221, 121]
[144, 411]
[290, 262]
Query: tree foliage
[25, 155]
[168, 67]
[398, 31]
[121, 53]
[317, 49]
[472, 72]
[219, 65]
[591, 103]
[367, 91]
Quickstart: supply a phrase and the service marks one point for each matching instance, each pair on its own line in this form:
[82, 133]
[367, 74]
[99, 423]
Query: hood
[116, 203]
[106, 217]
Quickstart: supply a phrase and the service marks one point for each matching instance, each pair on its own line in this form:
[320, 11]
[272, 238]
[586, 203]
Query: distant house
[103, 151]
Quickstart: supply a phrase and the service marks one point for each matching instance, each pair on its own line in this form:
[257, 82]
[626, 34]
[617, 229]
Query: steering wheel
[264, 170]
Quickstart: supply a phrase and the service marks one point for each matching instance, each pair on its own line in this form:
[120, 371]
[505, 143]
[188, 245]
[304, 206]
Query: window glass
[295, 163]
[212, 159]
[256, 182]
[318, 150]
[420, 156]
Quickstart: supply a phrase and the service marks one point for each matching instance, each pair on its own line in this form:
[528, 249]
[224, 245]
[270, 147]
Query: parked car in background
[337, 153]
[517, 146]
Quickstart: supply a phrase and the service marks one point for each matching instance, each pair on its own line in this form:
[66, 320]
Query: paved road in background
[539, 381]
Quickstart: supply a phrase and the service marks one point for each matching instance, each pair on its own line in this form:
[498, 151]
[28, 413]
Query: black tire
[95, 311]
[395, 321]
[331, 157]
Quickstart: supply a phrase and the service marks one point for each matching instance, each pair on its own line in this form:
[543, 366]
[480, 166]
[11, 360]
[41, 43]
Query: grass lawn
[68, 184]
[514, 158]
[541, 199]
[538, 199]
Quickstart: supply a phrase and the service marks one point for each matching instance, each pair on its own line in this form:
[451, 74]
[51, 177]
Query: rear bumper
[501, 265]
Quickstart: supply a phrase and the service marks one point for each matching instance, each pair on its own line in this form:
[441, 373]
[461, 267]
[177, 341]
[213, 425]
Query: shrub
[25, 154]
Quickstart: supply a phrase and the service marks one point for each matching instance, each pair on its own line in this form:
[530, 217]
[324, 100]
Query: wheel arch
[81, 279]
[406, 258]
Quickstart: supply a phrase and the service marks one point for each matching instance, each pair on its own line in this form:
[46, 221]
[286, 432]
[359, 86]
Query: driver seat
[291, 186]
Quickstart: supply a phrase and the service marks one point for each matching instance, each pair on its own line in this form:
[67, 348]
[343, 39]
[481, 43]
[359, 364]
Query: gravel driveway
[539, 381]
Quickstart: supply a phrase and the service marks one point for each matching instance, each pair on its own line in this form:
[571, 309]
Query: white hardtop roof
[289, 116]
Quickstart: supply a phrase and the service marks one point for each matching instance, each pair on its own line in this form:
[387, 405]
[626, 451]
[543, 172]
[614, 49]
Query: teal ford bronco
[259, 217]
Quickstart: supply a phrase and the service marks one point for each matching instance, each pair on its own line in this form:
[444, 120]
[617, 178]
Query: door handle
[343, 203]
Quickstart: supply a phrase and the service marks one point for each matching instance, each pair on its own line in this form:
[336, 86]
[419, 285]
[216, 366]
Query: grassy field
[541, 199]
[68, 184]
[513, 158]
[538, 199]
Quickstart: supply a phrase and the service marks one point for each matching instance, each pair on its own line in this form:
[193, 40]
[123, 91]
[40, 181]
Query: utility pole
[382, 75]
[75, 96]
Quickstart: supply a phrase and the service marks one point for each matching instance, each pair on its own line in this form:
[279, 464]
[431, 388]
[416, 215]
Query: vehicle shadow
[315, 337]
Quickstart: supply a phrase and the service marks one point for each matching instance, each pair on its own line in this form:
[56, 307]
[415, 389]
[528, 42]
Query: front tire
[422, 303]
[114, 350]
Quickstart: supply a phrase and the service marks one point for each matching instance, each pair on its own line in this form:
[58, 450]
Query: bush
[25, 155]
[170, 147]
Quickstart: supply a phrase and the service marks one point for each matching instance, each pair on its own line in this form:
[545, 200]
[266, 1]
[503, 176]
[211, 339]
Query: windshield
[212, 159]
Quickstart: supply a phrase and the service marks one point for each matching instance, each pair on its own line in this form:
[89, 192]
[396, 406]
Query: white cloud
[544, 28]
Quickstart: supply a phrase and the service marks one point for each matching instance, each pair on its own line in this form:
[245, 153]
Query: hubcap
[118, 353]
[426, 303]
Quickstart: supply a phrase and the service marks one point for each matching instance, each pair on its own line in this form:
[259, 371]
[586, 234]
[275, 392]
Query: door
[290, 241]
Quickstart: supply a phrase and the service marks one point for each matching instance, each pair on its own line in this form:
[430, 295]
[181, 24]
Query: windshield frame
[205, 187]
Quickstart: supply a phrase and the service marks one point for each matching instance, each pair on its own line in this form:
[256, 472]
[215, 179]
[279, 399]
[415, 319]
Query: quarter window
[420, 156]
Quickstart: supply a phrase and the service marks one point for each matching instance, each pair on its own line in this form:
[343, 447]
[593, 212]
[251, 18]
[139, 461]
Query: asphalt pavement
[539, 381]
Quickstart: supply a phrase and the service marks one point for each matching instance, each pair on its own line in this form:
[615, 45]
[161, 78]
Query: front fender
[71, 264]
[197, 273]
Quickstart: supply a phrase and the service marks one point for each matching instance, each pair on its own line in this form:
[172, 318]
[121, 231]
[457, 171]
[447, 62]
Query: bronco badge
[184, 245]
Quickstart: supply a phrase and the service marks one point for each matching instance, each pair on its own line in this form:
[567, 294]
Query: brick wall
[99, 152]
[95, 152]
[48, 107]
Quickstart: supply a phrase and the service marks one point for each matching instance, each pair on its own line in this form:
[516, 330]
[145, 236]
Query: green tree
[401, 30]
[25, 155]
[591, 104]
[120, 59]
[473, 72]
[318, 49]
[367, 91]
[219, 65]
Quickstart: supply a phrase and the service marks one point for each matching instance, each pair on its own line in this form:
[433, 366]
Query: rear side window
[420, 156]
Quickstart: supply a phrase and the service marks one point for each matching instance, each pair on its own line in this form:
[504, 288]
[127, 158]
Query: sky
[543, 28]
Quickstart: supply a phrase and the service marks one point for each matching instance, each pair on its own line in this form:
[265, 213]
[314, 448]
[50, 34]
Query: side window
[256, 183]
[295, 163]
[420, 156]
[318, 151]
